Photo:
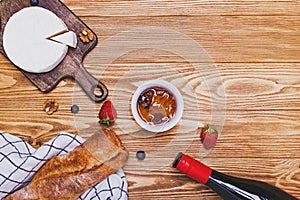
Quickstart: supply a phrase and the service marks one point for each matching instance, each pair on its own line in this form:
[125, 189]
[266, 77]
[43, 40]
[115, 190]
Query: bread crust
[68, 176]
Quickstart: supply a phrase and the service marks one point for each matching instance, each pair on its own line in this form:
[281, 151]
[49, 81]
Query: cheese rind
[25, 42]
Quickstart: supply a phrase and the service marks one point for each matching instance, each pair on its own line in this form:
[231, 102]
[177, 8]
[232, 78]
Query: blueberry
[74, 109]
[34, 2]
[140, 155]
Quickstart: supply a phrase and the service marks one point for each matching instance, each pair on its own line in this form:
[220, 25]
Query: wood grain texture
[253, 49]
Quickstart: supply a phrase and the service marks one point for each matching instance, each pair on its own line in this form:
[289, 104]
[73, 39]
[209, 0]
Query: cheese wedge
[25, 40]
[68, 38]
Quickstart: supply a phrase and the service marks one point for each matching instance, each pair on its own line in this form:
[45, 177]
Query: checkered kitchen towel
[19, 162]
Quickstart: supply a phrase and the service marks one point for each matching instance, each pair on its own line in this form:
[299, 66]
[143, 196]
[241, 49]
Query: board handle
[95, 89]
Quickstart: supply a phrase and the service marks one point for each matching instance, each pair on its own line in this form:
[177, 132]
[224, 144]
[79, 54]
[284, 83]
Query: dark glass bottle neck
[232, 188]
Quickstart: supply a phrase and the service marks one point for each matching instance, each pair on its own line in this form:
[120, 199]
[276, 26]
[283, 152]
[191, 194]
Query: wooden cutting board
[71, 66]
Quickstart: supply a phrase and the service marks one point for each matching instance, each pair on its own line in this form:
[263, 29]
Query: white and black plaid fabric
[19, 161]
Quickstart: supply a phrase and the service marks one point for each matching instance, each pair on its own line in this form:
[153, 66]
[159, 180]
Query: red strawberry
[208, 137]
[107, 114]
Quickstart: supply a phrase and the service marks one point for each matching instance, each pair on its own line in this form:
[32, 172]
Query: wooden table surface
[245, 80]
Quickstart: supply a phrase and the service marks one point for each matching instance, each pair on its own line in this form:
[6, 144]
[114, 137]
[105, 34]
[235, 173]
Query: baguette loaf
[68, 176]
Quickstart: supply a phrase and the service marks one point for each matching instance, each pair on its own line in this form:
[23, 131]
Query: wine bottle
[228, 187]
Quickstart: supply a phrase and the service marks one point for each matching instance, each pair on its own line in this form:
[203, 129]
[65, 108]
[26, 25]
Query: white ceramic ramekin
[179, 105]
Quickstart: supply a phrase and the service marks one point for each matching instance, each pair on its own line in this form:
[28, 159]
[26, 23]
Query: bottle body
[228, 187]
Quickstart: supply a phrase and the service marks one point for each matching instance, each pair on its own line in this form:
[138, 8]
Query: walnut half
[86, 35]
[50, 106]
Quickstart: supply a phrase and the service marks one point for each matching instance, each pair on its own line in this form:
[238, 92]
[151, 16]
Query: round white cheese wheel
[25, 40]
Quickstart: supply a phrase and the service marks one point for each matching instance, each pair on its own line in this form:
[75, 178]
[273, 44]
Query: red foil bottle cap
[192, 168]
